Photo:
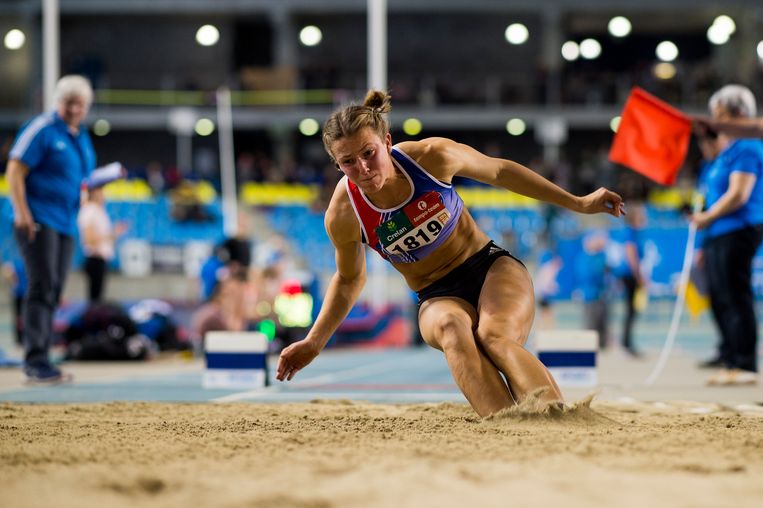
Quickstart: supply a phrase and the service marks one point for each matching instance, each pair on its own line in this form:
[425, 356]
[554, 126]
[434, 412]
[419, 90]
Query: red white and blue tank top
[414, 229]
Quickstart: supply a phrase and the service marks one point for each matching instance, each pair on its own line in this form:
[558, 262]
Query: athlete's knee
[451, 329]
[491, 337]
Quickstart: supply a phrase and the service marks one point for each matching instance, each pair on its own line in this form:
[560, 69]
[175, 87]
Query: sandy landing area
[343, 454]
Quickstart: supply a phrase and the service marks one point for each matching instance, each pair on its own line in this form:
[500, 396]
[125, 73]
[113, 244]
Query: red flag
[652, 138]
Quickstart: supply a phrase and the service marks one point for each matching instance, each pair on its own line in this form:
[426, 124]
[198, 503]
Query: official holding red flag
[733, 221]
[652, 139]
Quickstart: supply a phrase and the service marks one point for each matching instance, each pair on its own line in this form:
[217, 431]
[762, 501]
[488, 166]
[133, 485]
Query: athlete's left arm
[451, 159]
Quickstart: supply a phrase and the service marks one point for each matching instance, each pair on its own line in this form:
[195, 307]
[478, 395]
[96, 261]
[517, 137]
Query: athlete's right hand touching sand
[295, 358]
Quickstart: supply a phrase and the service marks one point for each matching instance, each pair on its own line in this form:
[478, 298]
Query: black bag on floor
[105, 332]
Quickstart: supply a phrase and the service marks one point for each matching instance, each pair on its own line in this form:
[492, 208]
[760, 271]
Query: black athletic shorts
[465, 281]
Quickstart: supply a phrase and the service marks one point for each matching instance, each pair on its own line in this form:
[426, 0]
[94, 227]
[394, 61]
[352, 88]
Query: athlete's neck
[393, 193]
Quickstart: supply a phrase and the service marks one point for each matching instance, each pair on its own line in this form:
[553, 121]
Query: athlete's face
[365, 158]
[72, 109]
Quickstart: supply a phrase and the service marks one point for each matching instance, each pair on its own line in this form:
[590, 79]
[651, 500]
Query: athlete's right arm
[343, 290]
[23, 220]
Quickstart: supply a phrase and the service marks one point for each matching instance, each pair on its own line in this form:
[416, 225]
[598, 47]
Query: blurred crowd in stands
[254, 289]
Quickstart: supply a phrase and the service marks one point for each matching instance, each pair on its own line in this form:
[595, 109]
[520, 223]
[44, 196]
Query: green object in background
[268, 328]
[294, 310]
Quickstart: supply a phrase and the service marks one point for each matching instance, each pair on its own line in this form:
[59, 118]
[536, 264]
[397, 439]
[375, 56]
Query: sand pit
[345, 454]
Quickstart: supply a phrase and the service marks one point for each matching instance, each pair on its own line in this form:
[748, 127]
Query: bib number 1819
[422, 235]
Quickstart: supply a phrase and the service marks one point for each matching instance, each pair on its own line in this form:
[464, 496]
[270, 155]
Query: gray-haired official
[744, 125]
[49, 160]
[732, 221]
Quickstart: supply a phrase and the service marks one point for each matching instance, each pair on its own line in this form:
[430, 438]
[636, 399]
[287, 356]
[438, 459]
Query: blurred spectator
[155, 177]
[232, 256]
[546, 286]
[224, 310]
[268, 285]
[591, 276]
[186, 204]
[98, 237]
[274, 252]
[628, 271]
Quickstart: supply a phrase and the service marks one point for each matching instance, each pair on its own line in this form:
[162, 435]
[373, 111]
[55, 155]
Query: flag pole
[683, 283]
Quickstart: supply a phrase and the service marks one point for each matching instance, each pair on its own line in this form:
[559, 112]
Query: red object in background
[291, 287]
[652, 139]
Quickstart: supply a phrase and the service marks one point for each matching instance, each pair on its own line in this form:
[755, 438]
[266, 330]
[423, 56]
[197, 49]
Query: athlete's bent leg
[506, 311]
[446, 324]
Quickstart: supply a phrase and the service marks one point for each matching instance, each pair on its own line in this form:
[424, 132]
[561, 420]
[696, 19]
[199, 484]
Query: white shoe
[733, 377]
[745, 377]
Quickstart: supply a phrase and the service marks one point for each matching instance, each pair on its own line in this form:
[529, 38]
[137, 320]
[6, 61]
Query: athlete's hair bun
[379, 101]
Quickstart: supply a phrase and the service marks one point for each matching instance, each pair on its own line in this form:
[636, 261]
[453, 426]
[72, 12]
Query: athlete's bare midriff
[465, 240]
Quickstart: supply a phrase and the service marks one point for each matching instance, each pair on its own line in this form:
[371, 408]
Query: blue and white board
[570, 355]
[235, 360]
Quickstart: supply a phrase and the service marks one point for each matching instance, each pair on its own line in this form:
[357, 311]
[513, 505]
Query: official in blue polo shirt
[50, 158]
[733, 228]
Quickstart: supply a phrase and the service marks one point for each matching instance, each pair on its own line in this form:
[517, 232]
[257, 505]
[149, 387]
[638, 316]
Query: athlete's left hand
[602, 201]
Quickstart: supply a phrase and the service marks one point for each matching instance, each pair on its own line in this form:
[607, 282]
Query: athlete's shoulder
[426, 147]
[340, 220]
[435, 155]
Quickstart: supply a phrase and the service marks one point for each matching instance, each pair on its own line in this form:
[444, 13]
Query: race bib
[418, 224]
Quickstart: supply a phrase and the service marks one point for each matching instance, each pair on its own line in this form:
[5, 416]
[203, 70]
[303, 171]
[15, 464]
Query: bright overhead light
[101, 127]
[517, 33]
[614, 124]
[619, 26]
[310, 35]
[516, 126]
[725, 23]
[590, 49]
[667, 51]
[412, 126]
[717, 35]
[309, 127]
[760, 50]
[665, 70]
[14, 39]
[570, 51]
[207, 35]
[204, 127]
